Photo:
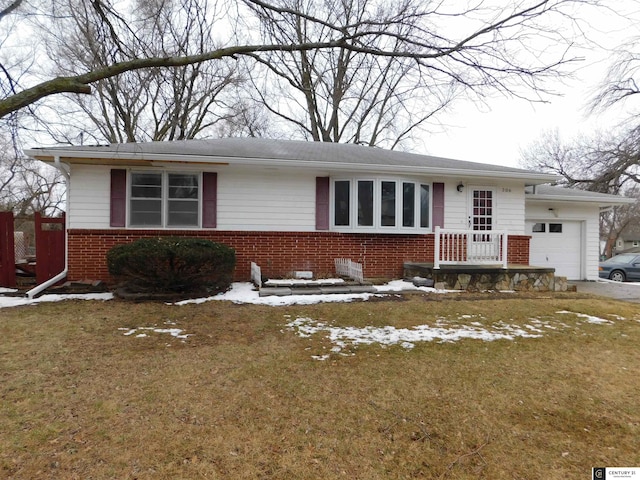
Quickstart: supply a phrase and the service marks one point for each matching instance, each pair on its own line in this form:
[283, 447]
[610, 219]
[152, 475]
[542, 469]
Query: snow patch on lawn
[445, 331]
[241, 292]
[588, 318]
[246, 293]
[344, 337]
[141, 332]
[9, 301]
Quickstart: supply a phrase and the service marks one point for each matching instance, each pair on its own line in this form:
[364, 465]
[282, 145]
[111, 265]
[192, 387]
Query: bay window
[365, 203]
[383, 205]
[342, 194]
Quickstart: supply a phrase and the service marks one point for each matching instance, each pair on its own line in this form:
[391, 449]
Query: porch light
[460, 187]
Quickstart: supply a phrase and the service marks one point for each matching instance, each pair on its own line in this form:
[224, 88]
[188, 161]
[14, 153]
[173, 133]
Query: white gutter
[63, 274]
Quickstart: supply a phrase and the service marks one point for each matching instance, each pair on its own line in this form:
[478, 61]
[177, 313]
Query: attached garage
[557, 244]
[564, 225]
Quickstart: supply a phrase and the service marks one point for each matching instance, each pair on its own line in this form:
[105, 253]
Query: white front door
[482, 248]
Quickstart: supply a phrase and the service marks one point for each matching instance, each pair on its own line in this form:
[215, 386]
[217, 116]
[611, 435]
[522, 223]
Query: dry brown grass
[242, 397]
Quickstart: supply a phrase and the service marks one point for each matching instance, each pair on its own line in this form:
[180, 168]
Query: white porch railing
[469, 247]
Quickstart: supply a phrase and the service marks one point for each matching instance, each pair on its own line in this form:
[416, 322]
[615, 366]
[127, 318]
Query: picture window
[385, 205]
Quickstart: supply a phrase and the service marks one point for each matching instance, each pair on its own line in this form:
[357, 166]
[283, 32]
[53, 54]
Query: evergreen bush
[173, 265]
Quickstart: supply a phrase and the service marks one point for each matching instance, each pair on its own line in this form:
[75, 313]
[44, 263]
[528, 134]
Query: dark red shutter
[322, 203]
[118, 213]
[209, 200]
[438, 205]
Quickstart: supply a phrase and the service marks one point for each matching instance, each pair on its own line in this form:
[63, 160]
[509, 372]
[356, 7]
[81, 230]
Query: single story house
[295, 205]
[628, 240]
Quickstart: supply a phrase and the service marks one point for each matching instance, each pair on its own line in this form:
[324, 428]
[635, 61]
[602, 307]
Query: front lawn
[422, 386]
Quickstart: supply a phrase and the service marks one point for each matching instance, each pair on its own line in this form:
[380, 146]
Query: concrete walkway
[629, 292]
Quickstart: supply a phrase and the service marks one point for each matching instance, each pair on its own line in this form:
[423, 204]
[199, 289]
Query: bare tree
[614, 221]
[26, 186]
[403, 63]
[342, 95]
[150, 104]
[488, 47]
[622, 82]
[602, 163]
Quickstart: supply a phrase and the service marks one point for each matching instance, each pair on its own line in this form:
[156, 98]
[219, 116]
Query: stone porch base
[475, 278]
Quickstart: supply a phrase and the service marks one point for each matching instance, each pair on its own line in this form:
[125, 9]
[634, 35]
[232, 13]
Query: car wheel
[617, 276]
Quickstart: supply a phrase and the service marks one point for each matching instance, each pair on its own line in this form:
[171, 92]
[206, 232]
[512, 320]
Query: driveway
[629, 292]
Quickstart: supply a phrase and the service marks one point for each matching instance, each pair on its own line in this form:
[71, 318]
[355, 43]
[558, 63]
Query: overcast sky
[495, 133]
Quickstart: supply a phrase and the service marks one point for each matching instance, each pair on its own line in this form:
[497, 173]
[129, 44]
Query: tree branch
[10, 8]
[81, 83]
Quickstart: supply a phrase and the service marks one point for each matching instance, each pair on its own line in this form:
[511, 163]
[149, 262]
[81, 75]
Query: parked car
[621, 267]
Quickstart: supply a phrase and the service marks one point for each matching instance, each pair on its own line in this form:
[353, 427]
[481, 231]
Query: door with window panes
[481, 218]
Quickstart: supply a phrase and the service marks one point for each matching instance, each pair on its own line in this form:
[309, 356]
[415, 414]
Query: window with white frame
[381, 204]
[164, 199]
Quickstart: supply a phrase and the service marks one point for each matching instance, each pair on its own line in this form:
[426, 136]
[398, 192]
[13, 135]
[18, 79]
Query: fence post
[7, 251]
[505, 251]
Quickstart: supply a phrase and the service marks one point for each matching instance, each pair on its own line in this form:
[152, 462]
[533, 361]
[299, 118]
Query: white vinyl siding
[246, 200]
[509, 215]
[257, 201]
[509, 205]
[254, 200]
[89, 197]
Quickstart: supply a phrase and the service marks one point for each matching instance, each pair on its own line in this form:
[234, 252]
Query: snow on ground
[588, 318]
[465, 326]
[606, 280]
[10, 301]
[445, 330]
[246, 293]
[301, 281]
[174, 332]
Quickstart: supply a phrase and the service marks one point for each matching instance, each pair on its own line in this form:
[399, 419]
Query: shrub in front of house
[172, 265]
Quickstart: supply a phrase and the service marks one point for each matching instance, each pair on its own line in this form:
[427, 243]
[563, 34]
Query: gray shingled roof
[280, 150]
[549, 192]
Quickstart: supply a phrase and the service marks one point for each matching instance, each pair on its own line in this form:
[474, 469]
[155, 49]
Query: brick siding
[278, 253]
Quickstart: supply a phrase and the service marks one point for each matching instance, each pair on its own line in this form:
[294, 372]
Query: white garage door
[556, 244]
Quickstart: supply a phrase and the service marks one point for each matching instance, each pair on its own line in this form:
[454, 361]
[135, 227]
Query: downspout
[63, 169]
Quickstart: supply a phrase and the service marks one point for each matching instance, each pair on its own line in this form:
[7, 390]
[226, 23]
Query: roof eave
[568, 198]
[48, 155]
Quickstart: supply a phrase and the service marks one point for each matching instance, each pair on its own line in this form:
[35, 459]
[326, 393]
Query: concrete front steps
[283, 288]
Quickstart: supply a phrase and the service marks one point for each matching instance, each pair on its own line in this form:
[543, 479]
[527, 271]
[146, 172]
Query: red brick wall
[278, 253]
[518, 246]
